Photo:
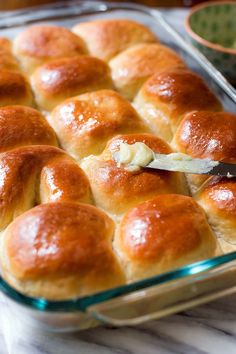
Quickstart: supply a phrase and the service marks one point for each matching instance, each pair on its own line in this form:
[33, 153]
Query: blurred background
[17, 4]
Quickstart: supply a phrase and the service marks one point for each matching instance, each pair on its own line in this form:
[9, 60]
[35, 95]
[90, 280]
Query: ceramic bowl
[211, 28]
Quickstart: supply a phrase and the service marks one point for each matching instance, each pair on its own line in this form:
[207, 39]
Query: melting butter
[137, 154]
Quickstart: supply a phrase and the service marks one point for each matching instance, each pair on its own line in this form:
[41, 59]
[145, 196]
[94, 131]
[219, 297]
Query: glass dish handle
[165, 299]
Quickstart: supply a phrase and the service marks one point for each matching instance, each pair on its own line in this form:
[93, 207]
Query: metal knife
[184, 163]
[192, 165]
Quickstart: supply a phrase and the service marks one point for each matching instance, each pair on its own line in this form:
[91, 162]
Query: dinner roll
[161, 234]
[131, 68]
[41, 43]
[63, 78]
[14, 89]
[7, 60]
[117, 189]
[206, 135]
[85, 123]
[5, 44]
[107, 37]
[60, 251]
[38, 174]
[167, 96]
[20, 126]
[218, 198]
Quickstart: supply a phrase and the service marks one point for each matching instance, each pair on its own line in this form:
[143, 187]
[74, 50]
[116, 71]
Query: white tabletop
[206, 329]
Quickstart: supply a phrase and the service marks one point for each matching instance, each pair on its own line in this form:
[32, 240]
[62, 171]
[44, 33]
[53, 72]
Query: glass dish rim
[84, 302]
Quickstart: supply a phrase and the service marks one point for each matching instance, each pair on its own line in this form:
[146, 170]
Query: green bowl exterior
[216, 24]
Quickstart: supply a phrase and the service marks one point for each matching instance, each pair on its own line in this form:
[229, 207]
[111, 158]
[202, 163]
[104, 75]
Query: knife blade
[138, 155]
[193, 165]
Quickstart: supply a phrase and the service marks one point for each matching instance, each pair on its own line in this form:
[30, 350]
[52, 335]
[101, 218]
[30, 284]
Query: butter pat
[140, 155]
[137, 154]
[126, 153]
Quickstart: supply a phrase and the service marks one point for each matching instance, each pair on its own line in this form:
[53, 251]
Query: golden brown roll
[7, 60]
[116, 189]
[14, 89]
[41, 43]
[38, 174]
[161, 234]
[107, 37]
[5, 44]
[63, 78]
[85, 123]
[166, 97]
[218, 198]
[60, 251]
[206, 135]
[20, 126]
[131, 68]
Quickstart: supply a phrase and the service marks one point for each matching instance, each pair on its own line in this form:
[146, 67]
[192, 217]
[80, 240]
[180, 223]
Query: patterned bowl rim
[198, 38]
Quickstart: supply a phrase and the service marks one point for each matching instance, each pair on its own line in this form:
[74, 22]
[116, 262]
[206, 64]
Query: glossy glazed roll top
[38, 174]
[41, 43]
[132, 67]
[218, 198]
[14, 89]
[207, 135]
[85, 123]
[106, 38]
[62, 78]
[167, 96]
[116, 189]
[162, 234]
[60, 251]
[21, 126]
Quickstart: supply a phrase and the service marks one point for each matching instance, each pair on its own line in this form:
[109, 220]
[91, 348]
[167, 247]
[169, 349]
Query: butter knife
[187, 164]
[178, 162]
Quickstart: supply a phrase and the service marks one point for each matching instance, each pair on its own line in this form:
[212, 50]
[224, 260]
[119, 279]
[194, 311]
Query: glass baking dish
[154, 297]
